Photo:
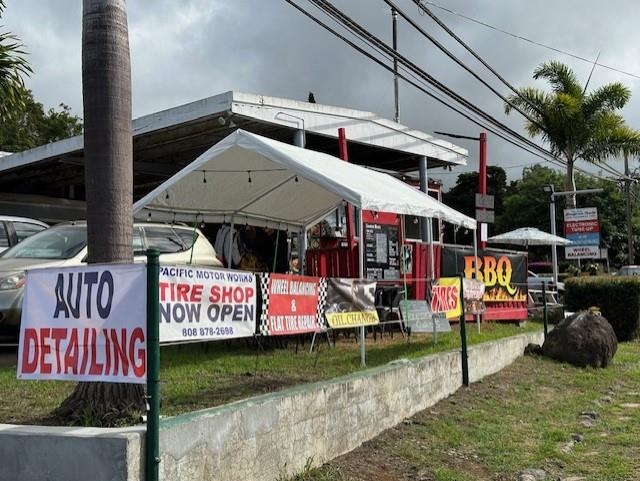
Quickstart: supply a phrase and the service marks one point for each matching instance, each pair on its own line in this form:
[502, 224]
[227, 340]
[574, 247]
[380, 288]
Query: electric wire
[519, 140]
[329, 9]
[520, 37]
[449, 54]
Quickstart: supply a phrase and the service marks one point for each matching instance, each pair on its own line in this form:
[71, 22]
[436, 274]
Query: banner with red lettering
[290, 304]
[84, 324]
[198, 303]
[445, 297]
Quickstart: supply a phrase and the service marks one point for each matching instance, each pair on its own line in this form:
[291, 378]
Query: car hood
[22, 264]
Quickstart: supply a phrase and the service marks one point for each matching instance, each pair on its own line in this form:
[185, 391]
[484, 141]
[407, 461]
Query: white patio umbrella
[529, 236]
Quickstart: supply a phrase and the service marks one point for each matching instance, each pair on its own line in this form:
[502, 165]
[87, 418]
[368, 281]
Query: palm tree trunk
[570, 183]
[108, 151]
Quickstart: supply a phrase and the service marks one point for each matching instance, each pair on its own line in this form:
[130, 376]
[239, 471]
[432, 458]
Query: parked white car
[66, 245]
[16, 229]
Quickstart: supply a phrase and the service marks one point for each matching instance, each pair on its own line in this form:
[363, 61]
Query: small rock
[533, 474]
[587, 421]
[526, 477]
[591, 414]
[606, 399]
[567, 447]
[577, 438]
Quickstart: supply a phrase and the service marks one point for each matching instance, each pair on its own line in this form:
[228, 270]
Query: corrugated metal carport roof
[166, 141]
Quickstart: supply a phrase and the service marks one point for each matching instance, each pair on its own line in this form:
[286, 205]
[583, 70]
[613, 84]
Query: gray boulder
[583, 339]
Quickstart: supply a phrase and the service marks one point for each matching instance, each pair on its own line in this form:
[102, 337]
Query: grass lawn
[572, 423]
[198, 376]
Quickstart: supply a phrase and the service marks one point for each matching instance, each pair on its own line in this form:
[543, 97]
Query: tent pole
[432, 262]
[302, 251]
[230, 253]
[475, 255]
[363, 362]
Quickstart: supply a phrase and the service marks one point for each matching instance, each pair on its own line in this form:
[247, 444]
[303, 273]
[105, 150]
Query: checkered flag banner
[322, 302]
[264, 291]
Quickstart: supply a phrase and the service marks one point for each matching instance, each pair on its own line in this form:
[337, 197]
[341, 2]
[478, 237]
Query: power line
[375, 43]
[350, 24]
[520, 37]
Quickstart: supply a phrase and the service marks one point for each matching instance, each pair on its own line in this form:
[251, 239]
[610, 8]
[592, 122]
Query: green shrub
[618, 299]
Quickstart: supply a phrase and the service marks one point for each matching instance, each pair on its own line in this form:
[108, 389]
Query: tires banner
[85, 323]
[350, 303]
[291, 304]
[199, 304]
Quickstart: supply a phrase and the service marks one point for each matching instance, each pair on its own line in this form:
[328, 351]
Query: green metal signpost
[153, 367]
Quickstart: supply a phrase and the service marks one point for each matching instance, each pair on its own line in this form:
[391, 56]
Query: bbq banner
[350, 303]
[504, 274]
[197, 304]
[85, 324]
[291, 304]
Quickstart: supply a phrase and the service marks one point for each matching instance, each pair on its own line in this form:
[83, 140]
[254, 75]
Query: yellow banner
[339, 320]
[445, 297]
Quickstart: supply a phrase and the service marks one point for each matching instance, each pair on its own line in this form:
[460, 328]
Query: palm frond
[612, 96]
[560, 76]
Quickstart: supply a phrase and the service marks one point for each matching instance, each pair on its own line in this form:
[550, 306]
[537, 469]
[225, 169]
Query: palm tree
[108, 150]
[576, 125]
[13, 66]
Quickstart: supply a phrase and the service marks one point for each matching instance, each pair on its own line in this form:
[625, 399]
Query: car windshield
[63, 242]
[629, 271]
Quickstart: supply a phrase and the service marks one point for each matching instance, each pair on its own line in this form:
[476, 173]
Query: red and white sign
[198, 304]
[291, 305]
[85, 324]
[583, 227]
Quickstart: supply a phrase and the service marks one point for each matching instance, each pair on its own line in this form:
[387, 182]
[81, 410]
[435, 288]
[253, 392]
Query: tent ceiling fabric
[250, 179]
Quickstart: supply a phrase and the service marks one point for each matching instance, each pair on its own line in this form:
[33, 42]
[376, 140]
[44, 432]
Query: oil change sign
[84, 324]
[206, 304]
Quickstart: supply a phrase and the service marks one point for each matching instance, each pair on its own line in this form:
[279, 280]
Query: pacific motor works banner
[445, 297]
[198, 303]
[350, 303]
[504, 275]
[290, 304]
[85, 324]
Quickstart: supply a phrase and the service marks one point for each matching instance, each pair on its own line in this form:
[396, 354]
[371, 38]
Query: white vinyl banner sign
[197, 303]
[85, 324]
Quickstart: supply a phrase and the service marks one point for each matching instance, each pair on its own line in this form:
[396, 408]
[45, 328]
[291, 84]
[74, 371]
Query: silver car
[16, 229]
[66, 245]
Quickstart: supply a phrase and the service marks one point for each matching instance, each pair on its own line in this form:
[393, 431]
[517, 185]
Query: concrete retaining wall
[262, 438]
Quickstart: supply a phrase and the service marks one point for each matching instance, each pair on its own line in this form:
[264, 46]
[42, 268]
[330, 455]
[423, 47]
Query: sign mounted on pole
[84, 324]
[582, 228]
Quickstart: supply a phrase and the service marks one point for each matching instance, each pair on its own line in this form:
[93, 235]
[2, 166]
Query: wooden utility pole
[627, 192]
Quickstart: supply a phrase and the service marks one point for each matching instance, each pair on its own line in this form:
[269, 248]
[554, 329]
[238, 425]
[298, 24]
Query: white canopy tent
[250, 179]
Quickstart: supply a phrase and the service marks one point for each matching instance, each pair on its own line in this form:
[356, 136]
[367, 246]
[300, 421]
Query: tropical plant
[13, 66]
[576, 125]
[108, 150]
[28, 125]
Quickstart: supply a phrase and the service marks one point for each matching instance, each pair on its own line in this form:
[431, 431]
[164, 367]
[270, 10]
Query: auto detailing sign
[84, 324]
[206, 304]
[582, 228]
[290, 304]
